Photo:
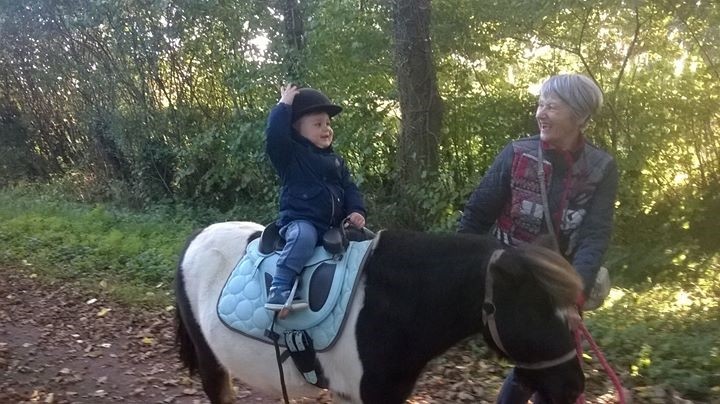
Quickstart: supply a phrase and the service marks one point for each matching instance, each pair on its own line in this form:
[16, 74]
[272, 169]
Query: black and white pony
[419, 295]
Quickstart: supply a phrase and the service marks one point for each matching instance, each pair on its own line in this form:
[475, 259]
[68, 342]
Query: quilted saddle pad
[327, 284]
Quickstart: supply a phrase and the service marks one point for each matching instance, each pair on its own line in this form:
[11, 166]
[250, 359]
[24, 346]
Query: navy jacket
[316, 184]
[581, 186]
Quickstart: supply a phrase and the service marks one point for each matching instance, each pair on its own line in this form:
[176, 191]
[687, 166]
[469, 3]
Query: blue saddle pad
[327, 283]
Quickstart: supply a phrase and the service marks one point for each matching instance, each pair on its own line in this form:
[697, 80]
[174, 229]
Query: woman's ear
[584, 122]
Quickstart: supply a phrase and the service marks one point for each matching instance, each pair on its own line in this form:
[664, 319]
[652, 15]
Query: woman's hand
[288, 93]
[356, 220]
[574, 314]
[573, 318]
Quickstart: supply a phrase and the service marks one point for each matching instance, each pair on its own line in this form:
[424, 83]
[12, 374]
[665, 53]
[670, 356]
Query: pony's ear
[510, 267]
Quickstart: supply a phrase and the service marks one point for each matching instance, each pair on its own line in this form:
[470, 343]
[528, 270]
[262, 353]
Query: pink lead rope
[581, 332]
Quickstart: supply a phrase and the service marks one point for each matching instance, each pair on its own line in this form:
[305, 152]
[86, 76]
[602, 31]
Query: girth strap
[301, 349]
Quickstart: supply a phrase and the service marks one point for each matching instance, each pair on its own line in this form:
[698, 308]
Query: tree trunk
[420, 103]
[294, 33]
[420, 108]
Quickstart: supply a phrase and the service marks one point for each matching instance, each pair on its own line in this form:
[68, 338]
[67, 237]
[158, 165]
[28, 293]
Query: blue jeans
[513, 392]
[300, 240]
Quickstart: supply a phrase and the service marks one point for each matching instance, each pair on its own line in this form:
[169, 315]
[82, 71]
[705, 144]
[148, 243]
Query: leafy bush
[664, 334]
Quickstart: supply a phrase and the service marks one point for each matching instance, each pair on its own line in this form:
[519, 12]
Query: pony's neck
[428, 291]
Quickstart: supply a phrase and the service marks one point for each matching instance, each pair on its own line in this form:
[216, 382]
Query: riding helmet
[309, 100]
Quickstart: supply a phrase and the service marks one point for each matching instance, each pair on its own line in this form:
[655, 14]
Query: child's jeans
[300, 240]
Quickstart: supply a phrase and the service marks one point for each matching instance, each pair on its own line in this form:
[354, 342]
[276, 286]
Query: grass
[131, 255]
[665, 333]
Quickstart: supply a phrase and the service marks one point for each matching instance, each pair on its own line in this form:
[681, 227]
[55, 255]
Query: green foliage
[15, 159]
[160, 106]
[666, 334]
[83, 242]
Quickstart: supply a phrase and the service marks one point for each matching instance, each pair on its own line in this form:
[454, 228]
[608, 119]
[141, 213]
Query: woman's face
[557, 122]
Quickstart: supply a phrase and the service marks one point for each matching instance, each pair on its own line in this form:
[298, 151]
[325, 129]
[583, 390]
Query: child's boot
[282, 291]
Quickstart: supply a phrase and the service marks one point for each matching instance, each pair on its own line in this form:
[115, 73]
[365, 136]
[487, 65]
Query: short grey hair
[578, 91]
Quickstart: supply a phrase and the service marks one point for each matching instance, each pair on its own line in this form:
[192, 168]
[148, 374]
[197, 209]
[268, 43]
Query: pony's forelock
[554, 273]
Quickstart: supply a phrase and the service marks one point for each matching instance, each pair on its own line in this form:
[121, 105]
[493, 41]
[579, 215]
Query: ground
[62, 344]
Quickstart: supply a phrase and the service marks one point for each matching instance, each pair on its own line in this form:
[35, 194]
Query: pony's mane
[436, 258]
[554, 273]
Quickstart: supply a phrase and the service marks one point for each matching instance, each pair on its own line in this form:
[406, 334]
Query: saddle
[335, 240]
[327, 283]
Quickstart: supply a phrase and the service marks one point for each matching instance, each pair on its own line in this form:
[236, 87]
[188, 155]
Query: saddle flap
[320, 284]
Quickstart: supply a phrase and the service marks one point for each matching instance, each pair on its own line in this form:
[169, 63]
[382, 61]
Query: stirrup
[289, 304]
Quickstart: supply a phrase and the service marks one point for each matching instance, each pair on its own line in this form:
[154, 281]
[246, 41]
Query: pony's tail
[554, 273]
[187, 351]
[184, 344]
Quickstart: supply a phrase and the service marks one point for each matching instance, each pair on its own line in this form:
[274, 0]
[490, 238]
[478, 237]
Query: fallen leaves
[70, 348]
[103, 312]
[65, 347]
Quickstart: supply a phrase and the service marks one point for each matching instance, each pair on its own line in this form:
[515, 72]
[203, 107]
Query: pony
[418, 295]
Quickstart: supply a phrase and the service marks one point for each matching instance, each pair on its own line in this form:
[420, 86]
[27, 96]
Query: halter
[488, 317]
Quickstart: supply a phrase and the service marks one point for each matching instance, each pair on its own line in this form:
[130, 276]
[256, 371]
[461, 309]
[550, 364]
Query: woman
[576, 189]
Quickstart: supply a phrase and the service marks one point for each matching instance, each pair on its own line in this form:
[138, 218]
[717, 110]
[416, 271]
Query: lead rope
[275, 337]
[581, 331]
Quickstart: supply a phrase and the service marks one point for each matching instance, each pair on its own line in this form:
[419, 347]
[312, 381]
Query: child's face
[315, 128]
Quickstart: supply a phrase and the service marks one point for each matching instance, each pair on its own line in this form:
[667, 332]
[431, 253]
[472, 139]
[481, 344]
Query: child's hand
[288, 93]
[356, 220]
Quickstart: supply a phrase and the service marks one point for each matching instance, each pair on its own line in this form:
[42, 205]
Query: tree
[294, 34]
[421, 107]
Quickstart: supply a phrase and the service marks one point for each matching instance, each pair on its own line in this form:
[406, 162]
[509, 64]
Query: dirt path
[62, 345]
[59, 344]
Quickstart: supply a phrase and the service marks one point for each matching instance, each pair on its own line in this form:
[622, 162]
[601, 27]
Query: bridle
[488, 318]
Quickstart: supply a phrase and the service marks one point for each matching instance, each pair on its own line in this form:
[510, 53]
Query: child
[317, 192]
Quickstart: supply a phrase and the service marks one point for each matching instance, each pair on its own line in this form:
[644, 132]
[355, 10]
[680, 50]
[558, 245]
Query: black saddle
[335, 240]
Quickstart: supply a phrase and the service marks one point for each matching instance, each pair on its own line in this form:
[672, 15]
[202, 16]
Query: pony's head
[532, 289]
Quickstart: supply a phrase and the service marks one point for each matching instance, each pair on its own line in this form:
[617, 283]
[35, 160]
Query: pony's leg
[341, 399]
[380, 388]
